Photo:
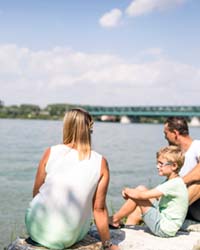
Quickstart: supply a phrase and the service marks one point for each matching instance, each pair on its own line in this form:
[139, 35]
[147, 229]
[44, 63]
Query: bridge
[145, 111]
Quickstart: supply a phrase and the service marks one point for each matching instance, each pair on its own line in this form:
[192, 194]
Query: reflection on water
[129, 148]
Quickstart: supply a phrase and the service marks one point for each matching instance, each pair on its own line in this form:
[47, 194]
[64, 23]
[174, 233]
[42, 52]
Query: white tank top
[63, 206]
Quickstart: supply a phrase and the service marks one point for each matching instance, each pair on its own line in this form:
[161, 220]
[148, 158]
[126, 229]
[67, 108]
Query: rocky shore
[132, 238]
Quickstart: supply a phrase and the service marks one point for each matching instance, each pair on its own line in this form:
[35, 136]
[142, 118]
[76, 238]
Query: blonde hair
[77, 131]
[172, 154]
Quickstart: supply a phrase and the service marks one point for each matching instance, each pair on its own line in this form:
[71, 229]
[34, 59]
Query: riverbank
[140, 238]
[132, 238]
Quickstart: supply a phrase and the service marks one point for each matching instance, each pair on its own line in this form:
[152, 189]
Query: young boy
[164, 207]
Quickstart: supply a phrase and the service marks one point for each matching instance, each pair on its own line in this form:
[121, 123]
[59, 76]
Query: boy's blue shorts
[152, 219]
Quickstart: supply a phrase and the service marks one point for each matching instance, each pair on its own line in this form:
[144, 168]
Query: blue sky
[108, 52]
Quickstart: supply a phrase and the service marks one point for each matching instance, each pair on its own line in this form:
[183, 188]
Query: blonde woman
[70, 183]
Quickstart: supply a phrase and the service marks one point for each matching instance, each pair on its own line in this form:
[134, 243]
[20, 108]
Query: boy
[164, 207]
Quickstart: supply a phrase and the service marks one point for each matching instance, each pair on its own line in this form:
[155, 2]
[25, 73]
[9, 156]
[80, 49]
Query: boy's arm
[134, 193]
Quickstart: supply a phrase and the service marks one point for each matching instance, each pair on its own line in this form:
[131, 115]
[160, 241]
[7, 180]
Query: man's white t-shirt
[192, 158]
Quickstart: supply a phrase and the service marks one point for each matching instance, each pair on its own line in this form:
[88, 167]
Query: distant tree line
[31, 111]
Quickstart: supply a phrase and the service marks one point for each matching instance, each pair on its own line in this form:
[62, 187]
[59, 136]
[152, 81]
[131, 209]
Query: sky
[100, 52]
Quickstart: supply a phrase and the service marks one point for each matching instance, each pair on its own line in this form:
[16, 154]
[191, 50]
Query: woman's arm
[99, 205]
[41, 173]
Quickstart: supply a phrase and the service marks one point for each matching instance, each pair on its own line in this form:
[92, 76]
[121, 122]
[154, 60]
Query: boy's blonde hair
[172, 154]
[77, 131]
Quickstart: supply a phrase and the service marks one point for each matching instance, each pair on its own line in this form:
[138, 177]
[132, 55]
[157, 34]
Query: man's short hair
[177, 123]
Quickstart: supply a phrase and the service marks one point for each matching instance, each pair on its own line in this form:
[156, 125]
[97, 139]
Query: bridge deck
[154, 111]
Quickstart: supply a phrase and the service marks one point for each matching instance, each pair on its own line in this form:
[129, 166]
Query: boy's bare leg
[131, 206]
[126, 209]
[135, 217]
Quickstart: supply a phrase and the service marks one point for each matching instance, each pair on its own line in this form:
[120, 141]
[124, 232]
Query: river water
[129, 148]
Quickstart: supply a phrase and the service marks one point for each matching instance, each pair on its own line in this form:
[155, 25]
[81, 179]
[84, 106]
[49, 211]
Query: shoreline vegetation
[57, 111]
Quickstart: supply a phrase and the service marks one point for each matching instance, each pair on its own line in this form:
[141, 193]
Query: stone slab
[132, 238]
[88, 243]
[140, 238]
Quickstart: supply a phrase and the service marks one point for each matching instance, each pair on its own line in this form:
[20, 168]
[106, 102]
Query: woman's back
[60, 214]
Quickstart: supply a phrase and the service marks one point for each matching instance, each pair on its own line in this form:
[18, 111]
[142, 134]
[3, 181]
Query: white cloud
[140, 7]
[111, 19]
[137, 8]
[64, 75]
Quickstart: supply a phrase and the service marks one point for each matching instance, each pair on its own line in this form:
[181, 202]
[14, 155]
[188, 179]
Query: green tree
[58, 109]
[29, 110]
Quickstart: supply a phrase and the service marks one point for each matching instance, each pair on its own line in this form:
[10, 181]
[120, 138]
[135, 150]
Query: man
[177, 133]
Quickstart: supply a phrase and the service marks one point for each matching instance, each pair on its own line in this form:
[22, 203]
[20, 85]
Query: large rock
[140, 238]
[88, 243]
[134, 238]
[196, 246]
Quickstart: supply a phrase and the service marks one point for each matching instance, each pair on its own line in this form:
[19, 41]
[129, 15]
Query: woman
[71, 181]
